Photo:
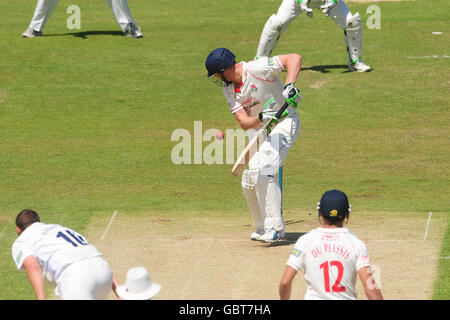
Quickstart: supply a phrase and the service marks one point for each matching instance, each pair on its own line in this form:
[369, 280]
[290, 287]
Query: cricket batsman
[335, 9]
[255, 93]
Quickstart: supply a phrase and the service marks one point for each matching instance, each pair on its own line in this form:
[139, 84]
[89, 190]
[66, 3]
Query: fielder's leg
[275, 26]
[352, 26]
[42, 12]
[122, 13]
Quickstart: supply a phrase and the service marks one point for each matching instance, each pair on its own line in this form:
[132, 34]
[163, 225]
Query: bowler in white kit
[61, 256]
[255, 93]
[331, 257]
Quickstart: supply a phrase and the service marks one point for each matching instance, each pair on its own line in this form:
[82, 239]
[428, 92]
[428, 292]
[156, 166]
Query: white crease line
[281, 241]
[109, 224]
[202, 240]
[428, 225]
[430, 57]
[62, 219]
[393, 240]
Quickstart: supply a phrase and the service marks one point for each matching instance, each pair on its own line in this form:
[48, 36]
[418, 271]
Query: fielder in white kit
[331, 256]
[120, 9]
[255, 93]
[335, 9]
[63, 257]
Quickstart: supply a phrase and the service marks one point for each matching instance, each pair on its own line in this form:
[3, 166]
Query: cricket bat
[244, 157]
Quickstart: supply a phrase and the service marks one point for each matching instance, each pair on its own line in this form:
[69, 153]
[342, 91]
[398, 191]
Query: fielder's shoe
[358, 66]
[31, 33]
[256, 236]
[133, 31]
[270, 235]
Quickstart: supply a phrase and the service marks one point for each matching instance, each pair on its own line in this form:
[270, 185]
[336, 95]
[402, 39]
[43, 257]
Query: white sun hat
[138, 285]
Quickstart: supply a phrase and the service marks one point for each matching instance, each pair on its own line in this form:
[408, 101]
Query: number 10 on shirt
[72, 238]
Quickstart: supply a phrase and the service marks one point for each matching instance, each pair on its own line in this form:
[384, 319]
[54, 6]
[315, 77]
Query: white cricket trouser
[270, 156]
[121, 12]
[45, 8]
[287, 12]
[42, 12]
[290, 9]
[89, 279]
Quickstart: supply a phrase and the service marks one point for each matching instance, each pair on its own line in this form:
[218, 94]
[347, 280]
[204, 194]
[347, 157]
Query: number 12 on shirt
[326, 276]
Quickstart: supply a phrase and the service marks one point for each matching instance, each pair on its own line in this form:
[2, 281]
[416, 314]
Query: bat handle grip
[280, 112]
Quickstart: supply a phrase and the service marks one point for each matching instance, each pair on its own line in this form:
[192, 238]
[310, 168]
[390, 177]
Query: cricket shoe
[256, 236]
[271, 235]
[358, 66]
[31, 33]
[133, 31]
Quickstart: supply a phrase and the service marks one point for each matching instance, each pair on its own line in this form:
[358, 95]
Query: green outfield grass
[86, 116]
[441, 286]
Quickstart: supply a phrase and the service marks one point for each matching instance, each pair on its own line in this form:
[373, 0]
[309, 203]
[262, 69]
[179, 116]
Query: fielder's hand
[305, 9]
[292, 95]
[329, 4]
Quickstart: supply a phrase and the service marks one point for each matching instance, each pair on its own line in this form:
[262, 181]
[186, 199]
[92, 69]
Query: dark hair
[26, 218]
[333, 221]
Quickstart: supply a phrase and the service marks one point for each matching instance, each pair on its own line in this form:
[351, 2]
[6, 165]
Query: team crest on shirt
[270, 62]
[296, 252]
[19, 256]
[253, 88]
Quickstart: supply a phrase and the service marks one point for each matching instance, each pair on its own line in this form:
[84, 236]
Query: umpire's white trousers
[45, 8]
[42, 12]
[89, 279]
[121, 12]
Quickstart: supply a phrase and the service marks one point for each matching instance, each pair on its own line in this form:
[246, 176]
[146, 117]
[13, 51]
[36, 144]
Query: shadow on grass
[290, 238]
[86, 34]
[327, 68]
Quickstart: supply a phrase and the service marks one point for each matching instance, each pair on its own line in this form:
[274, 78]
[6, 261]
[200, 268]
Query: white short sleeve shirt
[330, 259]
[54, 246]
[260, 87]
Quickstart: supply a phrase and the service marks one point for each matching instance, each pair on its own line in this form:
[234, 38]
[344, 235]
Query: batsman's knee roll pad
[249, 179]
[267, 159]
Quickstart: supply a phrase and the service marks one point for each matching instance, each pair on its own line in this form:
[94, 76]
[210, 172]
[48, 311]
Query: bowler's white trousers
[89, 279]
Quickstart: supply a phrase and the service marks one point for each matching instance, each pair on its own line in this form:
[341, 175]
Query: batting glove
[292, 95]
[270, 116]
[305, 9]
